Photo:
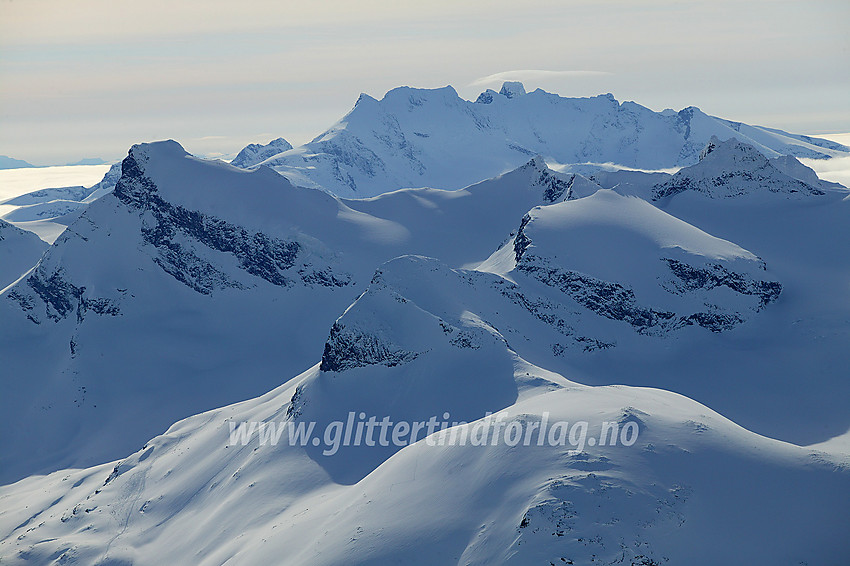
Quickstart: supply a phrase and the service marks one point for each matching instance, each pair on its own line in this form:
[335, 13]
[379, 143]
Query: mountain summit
[732, 168]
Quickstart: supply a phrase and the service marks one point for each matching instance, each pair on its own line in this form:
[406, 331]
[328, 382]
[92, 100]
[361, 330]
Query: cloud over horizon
[534, 76]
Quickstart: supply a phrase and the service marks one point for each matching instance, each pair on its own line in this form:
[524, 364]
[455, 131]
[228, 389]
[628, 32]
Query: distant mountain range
[12, 163]
[89, 161]
[434, 138]
[7, 162]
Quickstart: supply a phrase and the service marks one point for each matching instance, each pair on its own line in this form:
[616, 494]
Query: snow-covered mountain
[634, 264]
[140, 283]
[432, 137]
[255, 153]
[212, 242]
[705, 311]
[197, 494]
[734, 169]
[163, 299]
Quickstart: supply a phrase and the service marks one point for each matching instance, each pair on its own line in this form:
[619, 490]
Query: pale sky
[89, 78]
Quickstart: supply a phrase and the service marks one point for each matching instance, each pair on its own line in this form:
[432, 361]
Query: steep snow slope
[691, 478]
[795, 357]
[570, 307]
[163, 299]
[196, 283]
[127, 329]
[792, 167]
[19, 252]
[420, 137]
[255, 153]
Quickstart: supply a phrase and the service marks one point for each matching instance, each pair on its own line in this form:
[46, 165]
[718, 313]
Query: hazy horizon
[92, 78]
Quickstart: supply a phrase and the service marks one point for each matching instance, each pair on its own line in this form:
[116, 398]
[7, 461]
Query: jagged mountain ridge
[125, 306]
[174, 218]
[737, 166]
[432, 137]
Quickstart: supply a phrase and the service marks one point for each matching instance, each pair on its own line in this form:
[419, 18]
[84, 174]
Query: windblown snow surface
[705, 311]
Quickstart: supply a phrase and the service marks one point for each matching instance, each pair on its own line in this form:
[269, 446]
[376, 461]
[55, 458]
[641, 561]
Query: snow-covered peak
[255, 153]
[512, 89]
[690, 478]
[732, 168]
[431, 137]
[625, 260]
[416, 95]
[159, 152]
[257, 198]
[606, 212]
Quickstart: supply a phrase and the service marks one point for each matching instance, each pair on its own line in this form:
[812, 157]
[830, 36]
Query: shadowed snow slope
[421, 137]
[146, 309]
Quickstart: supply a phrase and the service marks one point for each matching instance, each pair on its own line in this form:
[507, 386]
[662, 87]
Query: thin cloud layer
[534, 75]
